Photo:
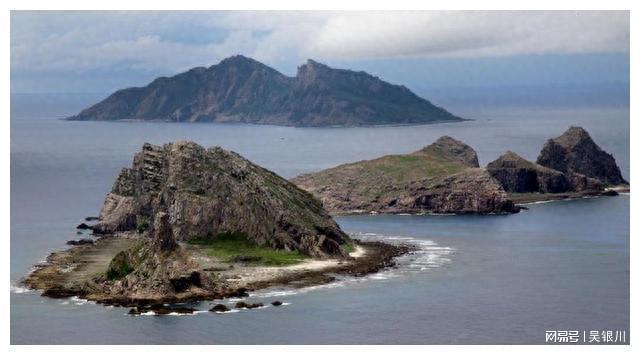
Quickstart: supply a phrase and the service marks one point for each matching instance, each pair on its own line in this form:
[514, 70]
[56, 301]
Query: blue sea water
[477, 279]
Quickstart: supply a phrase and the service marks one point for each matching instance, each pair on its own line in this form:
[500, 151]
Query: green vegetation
[119, 266]
[230, 247]
[348, 248]
[142, 227]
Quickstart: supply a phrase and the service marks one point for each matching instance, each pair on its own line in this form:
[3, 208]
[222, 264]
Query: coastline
[68, 273]
[532, 198]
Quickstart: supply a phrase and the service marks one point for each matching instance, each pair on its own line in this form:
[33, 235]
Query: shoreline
[533, 198]
[519, 199]
[68, 273]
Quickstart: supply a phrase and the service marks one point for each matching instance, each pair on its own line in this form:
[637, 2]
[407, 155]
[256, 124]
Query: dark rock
[83, 226]
[163, 234]
[583, 183]
[248, 305]
[89, 219]
[576, 152]
[219, 308]
[240, 89]
[519, 175]
[276, 303]
[59, 292]
[202, 187]
[240, 292]
[241, 304]
[80, 242]
[183, 283]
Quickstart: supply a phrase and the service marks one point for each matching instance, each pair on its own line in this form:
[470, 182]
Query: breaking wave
[427, 256]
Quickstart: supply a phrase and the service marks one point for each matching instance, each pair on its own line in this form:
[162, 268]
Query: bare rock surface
[206, 192]
[576, 152]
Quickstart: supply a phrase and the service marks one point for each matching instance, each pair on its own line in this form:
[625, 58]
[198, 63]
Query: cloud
[471, 34]
[78, 42]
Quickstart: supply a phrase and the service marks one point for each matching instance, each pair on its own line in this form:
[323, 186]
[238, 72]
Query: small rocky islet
[186, 223]
[445, 178]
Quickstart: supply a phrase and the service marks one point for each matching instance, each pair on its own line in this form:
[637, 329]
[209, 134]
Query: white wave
[428, 256]
[229, 311]
[80, 301]
[20, 289]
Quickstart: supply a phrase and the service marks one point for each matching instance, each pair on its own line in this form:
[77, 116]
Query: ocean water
[476, 280]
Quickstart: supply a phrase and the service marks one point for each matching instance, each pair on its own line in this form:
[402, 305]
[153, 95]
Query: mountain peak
[574, 135]
[453, 149]
[576, 152]
[238, 59]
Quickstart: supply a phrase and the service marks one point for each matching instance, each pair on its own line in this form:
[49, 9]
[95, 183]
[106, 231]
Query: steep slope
[211, 192]
[519, 175]
[441, 178]
[240, 89]
[576, 152]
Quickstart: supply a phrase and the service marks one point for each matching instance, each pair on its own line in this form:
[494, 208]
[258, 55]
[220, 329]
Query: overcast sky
[104, 51]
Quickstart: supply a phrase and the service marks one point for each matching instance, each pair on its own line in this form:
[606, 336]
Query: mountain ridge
[241, 89]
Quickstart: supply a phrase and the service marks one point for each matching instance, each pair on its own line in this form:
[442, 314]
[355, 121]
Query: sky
[428, 51]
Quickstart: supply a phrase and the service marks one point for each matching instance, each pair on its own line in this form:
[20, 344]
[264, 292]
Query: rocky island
[188, 223]
[445, 178]
[240, 89]
[569, 166]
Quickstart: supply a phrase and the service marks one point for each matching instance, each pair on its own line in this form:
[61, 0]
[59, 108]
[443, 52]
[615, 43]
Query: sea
[557, 267]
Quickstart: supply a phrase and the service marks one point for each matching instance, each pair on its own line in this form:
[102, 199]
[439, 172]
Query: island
[445, 178]
[569, 166]
[240, 89]
[186, 223]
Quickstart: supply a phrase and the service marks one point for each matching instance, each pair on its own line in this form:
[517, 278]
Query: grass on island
[234, 247]
[349, 248]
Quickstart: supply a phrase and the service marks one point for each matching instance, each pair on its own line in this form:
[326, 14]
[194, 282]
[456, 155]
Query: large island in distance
[240, 89]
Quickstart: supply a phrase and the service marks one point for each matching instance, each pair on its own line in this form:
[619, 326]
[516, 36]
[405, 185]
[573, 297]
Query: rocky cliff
[240, 89]
[441, 178]
[576, 152]
[210, 192]
[518, 175]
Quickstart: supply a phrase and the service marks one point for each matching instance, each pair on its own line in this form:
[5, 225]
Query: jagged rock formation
[240, 89]
[440, 178]
[575, 152]
[207, 192]
[519, 175]
[156, 269]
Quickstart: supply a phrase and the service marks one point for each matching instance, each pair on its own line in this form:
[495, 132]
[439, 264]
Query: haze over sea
[477, 279]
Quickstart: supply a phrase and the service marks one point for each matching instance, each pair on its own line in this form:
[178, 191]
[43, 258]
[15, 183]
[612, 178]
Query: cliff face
[575, 152]
[519, 175]
[209, 192]
[240, 89]
[440, 178]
